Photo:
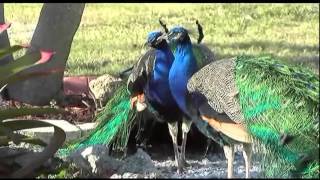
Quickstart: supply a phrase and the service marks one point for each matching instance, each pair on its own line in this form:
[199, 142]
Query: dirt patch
[72, 114]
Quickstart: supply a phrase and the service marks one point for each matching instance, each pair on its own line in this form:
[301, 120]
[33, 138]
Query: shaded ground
[212, 166]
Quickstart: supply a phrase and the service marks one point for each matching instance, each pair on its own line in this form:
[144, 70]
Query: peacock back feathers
[203, 55]
[114, 124]
[201, 52]
[280, 104]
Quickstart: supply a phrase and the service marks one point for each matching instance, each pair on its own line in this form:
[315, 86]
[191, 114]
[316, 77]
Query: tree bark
[57, 25]
[4, 39]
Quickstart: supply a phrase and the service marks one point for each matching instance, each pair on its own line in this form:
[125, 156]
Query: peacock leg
[247, 149]
[229, 153]
[186, 124]
[209, 142]
[173, 130]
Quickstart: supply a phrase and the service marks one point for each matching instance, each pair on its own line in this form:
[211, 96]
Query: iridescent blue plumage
[153, 35]
[157, 89]
[183, 68]
[150, 76]
[163, 79]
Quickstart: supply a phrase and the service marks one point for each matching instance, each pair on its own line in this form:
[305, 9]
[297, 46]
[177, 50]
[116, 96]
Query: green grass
[110, 36]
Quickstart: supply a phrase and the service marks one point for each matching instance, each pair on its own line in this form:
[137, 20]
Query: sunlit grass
[110, 36]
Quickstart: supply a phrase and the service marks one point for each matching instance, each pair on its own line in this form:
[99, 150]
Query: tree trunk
[57, 25]
[4, 40]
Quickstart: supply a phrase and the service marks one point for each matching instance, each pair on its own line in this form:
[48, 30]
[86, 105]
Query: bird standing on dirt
[260, 99]
[148, 85]
[172, 114]
[184, 66]
[250, 98]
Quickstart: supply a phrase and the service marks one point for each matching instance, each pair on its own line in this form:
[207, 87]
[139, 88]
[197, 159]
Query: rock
[7, 151]
[17, 156]
[115, 176]
[139, 163]
[103, 87]
[9, 155]
[131, 175]
[94, 159]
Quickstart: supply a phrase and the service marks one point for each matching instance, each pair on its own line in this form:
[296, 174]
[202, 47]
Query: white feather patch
[141, 106]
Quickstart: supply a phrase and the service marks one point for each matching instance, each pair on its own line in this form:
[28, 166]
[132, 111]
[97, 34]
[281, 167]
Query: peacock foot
[185, 163]
[180, 170]
[181, 165]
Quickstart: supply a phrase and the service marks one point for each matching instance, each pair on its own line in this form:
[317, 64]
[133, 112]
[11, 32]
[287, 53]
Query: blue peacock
[247, 99]
[149, 87]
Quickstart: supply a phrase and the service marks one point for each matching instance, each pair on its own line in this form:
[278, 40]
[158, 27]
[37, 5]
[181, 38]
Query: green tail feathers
[280, 104]
[114, 124]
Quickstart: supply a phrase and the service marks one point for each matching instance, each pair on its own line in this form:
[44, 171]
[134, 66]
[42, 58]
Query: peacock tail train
[280, 104]
[115, 122]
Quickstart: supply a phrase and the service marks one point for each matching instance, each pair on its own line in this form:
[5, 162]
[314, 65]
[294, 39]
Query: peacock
[203, 56]
[148, 84]
[183, 68]
[252, 99]
[149, 87]
[115, 122]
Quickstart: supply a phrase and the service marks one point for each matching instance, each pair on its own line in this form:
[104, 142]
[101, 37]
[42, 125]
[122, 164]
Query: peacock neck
[158, 86]
[163, 45]
[183, 48]
[182, 69]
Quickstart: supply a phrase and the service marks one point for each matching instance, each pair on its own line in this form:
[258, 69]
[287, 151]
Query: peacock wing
[141, 72]
[216, 82]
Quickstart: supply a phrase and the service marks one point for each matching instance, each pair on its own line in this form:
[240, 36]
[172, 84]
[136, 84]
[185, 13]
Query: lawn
[110, 36]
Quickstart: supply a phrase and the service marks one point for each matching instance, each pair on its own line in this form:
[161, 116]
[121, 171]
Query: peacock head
[155, 38]
[178, 34]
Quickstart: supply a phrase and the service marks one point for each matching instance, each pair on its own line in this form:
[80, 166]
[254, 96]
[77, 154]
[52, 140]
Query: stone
[131, 175]
[139, 163]
[103, 88]
[94, 159]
